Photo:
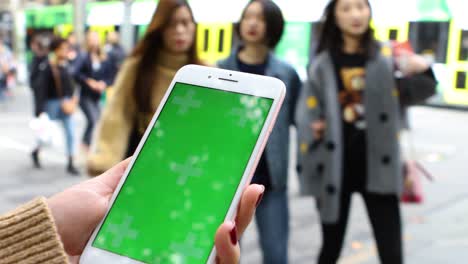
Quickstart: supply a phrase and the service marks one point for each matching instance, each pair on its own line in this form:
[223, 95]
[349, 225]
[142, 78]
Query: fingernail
[233, 234]
[259, 200]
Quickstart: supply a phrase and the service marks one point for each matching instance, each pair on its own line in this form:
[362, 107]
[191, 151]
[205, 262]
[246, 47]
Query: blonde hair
[99, 49]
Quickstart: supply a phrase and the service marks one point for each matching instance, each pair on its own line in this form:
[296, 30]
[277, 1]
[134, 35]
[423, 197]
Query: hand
[410, 64]
[318, 129]
[72, 54]
[226, 239]
[101, 86]
[91, 83]
[78, 210]
[5, 68]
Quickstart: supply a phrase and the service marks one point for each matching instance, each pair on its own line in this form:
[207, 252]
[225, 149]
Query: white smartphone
[189, 170]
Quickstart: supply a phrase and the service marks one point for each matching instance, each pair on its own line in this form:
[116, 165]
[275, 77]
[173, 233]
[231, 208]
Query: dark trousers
[384, 215]
[3, 89]
[272, 217]
[92, 112]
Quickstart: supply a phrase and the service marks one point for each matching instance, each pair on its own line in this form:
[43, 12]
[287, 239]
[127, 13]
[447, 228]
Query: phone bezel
[214, 78]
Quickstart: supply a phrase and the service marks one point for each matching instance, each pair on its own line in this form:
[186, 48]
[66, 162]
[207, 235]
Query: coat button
[318, 203]
[383, 117]
[320, 168]
[331, 190]
[299, 168]
[386, 160]
[331, 146]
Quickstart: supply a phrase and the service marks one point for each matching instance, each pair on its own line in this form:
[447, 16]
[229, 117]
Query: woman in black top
[94, 77]
[54, 84]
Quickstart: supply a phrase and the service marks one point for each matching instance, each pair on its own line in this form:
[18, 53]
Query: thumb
[112, 177]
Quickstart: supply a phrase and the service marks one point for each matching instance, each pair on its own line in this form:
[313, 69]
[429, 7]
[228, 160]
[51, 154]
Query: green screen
[184, 179]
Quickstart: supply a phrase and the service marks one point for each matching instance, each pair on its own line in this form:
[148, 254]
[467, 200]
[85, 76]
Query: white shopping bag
[45, 131]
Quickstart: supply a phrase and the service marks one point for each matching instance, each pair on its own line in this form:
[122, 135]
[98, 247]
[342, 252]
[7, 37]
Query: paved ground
[435, 232]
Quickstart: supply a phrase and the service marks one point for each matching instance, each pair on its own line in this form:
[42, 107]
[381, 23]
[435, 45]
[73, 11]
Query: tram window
[61, 16]
[461, 80]
[221, 40]
[393, 34]
[206, 38]
[464, 46]
[430, 39]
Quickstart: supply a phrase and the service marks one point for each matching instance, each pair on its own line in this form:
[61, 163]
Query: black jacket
[116, 56]
[34, 68]
[34, 71]
[44, 85]
[86, 71]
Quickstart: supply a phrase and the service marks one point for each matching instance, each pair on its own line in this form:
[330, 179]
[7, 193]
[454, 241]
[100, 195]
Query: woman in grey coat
[348, 124]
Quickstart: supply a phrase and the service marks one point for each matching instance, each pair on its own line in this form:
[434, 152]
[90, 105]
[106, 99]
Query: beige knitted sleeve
[28, 235]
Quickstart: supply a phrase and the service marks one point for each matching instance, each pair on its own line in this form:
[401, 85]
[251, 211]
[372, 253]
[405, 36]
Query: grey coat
[320, 167]
[277, 149]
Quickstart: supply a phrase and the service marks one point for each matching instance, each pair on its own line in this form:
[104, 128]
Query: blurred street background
[435, 231]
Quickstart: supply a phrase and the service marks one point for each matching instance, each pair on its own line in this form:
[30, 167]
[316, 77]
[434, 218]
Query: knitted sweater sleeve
[28, 235]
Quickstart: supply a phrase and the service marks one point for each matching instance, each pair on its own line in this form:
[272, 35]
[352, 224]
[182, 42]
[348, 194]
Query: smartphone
[189, 170]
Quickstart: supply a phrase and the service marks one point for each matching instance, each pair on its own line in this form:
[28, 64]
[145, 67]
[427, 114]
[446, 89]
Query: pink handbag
[413, 189]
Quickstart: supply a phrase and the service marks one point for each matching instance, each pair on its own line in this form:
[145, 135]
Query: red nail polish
[259, 200]
[233, 235]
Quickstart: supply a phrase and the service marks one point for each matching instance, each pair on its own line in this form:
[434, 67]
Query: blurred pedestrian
[57, 97]
[348, 124]
[74, 44]
[260, 29]
[168, 44]
[39, 47]
[75, 54]
[7, 68]
[115, 53]
[47, 230]
[94, 76]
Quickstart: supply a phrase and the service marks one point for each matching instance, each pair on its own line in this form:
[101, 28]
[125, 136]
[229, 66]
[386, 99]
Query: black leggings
[384, 215]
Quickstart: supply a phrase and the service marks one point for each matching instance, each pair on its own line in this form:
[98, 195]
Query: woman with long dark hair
[260, 29]
[348, 123]
[144, 77]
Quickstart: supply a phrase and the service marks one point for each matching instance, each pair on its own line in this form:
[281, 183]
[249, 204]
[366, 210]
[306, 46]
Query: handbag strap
[57, 80]
[410, 141]
[413, 156]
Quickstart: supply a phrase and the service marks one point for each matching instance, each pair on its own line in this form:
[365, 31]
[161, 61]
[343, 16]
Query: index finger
[247, 206]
